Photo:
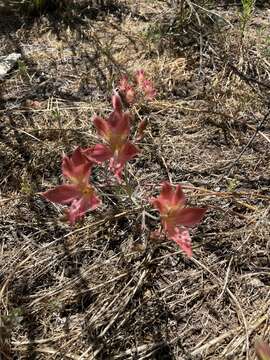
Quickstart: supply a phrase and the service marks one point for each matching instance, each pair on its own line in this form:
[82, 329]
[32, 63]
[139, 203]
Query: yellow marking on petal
[87, 191]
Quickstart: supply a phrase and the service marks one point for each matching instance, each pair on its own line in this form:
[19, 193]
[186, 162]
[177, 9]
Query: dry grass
[104, 290]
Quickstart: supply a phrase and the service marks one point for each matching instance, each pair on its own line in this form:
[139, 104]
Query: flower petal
[158, 204]
[62, 194]
[77, 157]
[119, 124]
[116, 103]
[189, 216]
[67, 167]
[165, 199]
[102, 126]
[148, 89]
[179, 197]
[167, 193]
[182, 238]
[140, 77]
[130, 96]
[98, 153]
[126, 153]
[79, 207]
[76, 167]
[146, 85]
[122, 126]
[114, 118]
[126, 90]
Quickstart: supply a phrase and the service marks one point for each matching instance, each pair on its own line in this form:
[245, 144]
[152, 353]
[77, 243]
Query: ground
[104, 289]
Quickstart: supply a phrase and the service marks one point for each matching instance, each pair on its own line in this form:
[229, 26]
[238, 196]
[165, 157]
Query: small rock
[7, 63]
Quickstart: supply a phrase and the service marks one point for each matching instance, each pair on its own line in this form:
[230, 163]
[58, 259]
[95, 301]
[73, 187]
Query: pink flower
[115, 131]
[80, 195]
[146, 85]
[175, 217]
[126, 90]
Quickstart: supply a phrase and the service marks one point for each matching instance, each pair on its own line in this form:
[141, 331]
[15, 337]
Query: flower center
[170, 215]
[117, 141]
[87, 191]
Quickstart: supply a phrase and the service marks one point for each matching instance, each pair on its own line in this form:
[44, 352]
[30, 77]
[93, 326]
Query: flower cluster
[79, 193]
[130, 91]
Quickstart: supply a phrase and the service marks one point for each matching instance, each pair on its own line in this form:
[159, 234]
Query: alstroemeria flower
[115, 131]
[79, 194]
[146, 85]
[175, 217]
[126, 90]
